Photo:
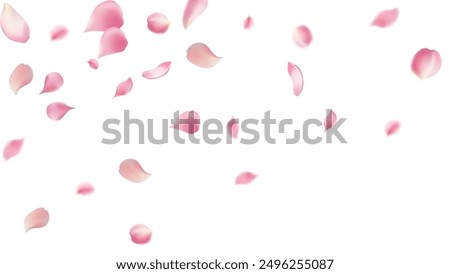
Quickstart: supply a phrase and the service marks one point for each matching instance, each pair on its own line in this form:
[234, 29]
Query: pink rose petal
[140, 234]
[12, 149]
[233, 128]
[161, 70]
[20, 77]
[93, 63]
[53, 82]
[245, 178]
[297, 78]
[188, 122]
[131, 170]
[392, 127]
[330, 120]
[193, 9]
[385, 18]
[113, 41]
[124, 88]
[106, 15]
[426, 63]
[13, 25]
[158, 23]
[56, 111]
[302, 36]
[85, 189]
[199, 54]
[58, 33]
[37, 218]
[248, 23]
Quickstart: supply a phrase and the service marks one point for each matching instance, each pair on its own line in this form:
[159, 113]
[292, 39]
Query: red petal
[302, 36]
[113, 41]
[297, 78]
[199, 54]
[93, 63]
[106, 15]
[426, 63]
[85, 189]
[392, 127]
[140, 234]
[56, 111]
[53, 82]
[124, 88]
[188, 122]
[12, 149]
[161, 70]
[385, 18]
[245, 178]
[36, 219]
[58, 33]
[20, 77]
[248, 23]
[13, 25]
[131, 170]
[158, 23]
[330, 120]
[193, 9]
[233, 128]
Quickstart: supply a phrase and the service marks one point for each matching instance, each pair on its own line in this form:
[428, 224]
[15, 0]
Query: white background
[376, 205]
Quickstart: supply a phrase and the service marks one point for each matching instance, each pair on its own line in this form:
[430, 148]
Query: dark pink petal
[140, 234]
[161, 70]
[188, 122]
[12, 149]
[58, 33]
[199, 54]
[158, 23]
[56, 111]
[113, 41]
[85, 189]
[106, 15]
[245, 178]
[93, 63]
[36, 219]
[131, 170]
[297, 78]
[20, 77]
[330, 120]
[193, 9]
[426, 63]
[248, 23]
[13, 25]
[385, 18]
[233, 128]
[124, 88]
[302, 36]
[392, 127]
[53, 82]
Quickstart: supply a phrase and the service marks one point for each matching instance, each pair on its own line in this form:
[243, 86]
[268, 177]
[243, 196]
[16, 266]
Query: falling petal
[193, 9]
[131, 170]
[426, 63]
[385, 18]
[158, 23]
[36, 219]
[199, 54]
[106, 15]
[56, 111]
[140, 234]
[53, 82]
[20, 77]
[13, 25]
[392, 127]
[302, 36]
[93, 63]
[245, 178]
[113, 41]
[330, 120]
[188, 122]
[58, 33]
[161, 70]
[248, 23]
[233, 128]
[297, 78]
[85, 189]
[124, 88]
[12, 149]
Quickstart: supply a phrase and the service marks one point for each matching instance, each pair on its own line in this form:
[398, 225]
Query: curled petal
[20, 77]
[426, 63]
[296, 77]
[140, 234]
[392, 127]
[12, 149]
[302, 36]
[93, 63]
[193, 9]
[188, 122]
[106, 15]
[245, 178]
[199, 54]
[248, 23]
[330, 120]
[124, 88]
[85, 189]
[58, 33]
[158, 23]
[56, 111]
[36, 219]
[113, 41]
[385, 18]
[233, 128]
[131, 170]
[13, 25]
[53, 82]
[161, 70]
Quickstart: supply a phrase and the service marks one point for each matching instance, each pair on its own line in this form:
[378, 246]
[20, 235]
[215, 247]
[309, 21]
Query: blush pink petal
[193, 9]
[93, 64]
[58, 33]
[106, 15]
[245, 178]
[113, 41]
[53, 82]
[20, 77]
[85, 189]
[392, 127]
[385, 18]
[426, 63]
[199, 54]
[233, 128]
[158, 23]
[13, 25]
[188, 122]
[56, 111]
[248, 23]
[37, 218]
[124, 88]
[302, 36]
[140, 234]
[161, 70]
[12, 149]
[297, 78]
[330, 120]
[131, 170]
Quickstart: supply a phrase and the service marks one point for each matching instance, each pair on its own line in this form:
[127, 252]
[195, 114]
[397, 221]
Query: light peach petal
[330, 120]
[37, 218]
[233, 128]
[12, 149]
[199, 54]
[296, 77]
[140, 234]
[56, 111]
[113, 41]
[20, 77]
[85, 189]
[93, 63]
[161, 70]
[131, 170]
[58, 33]
[385, 18]
[106, 15]
[245, 178]
[158, 23]
[392, 127]
[124, 88]
[193, 9]
[302, 36]
[188, 122]
[53, 82]
[13, 25]
[426, 63]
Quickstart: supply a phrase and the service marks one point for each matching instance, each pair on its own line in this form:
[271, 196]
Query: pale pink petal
[199, 54]
[245, 178]
[426, 63]
[140, 234]
[36, 219]
[85, 189]
[106, 15]
[330, 120]
[12, 149]
[20, 77]
[93, 63]
[392, 127]
[161, 70]
[124, 88]
[13, 25]
[248, 23]
[302, 36]
[56, 111]
[233, 128]
[53, 82]
[158, 23]
[297, 78]
[58, 33]
[113, 41]
[193, 9]
[131, 170]
[385, 18]
[188, 122]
